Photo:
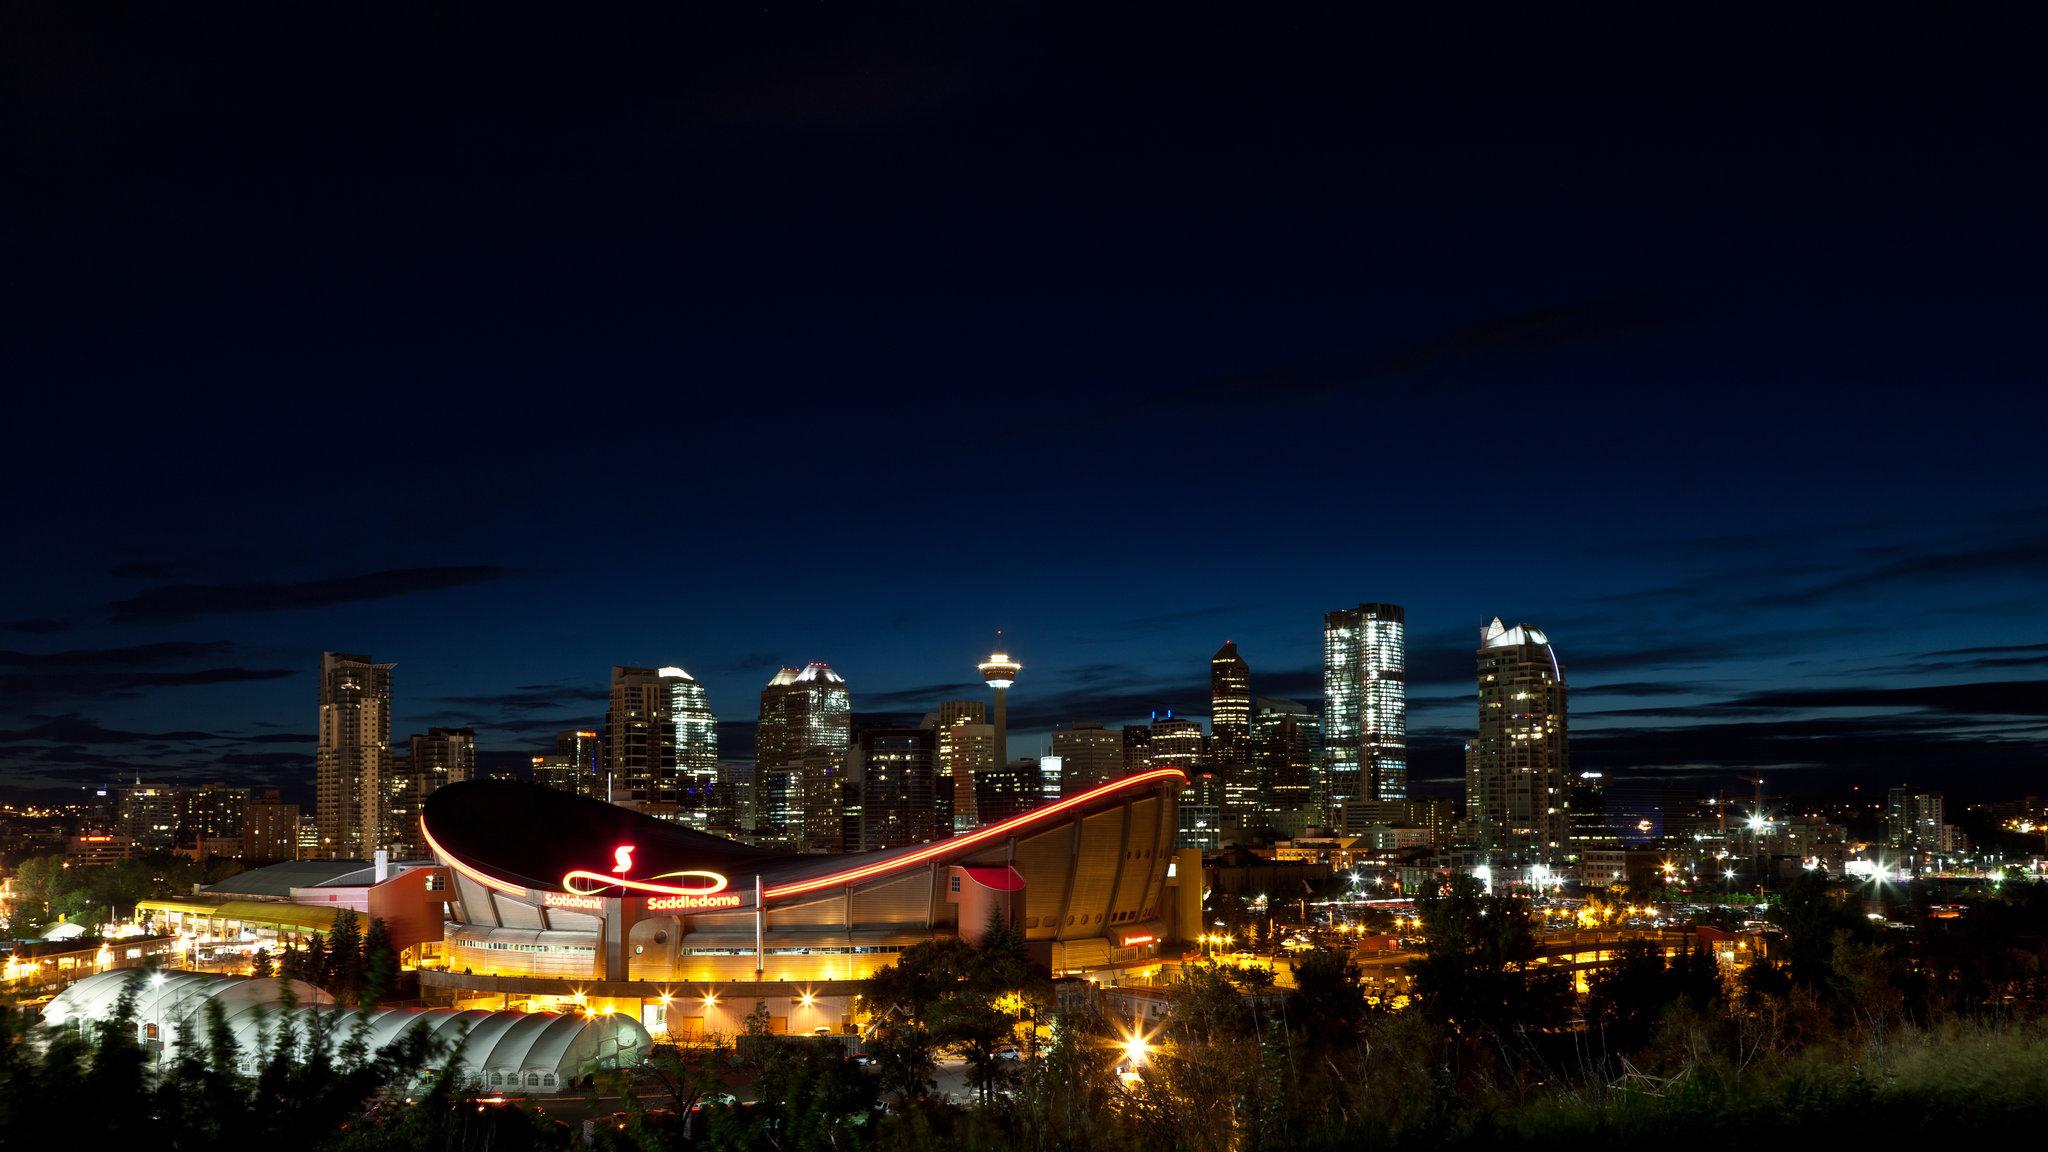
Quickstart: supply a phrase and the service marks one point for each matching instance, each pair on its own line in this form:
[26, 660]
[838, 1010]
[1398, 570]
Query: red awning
[1003, 879]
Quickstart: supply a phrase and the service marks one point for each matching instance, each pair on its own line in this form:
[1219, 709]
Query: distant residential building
[440, 757]
[1913, 822]
[150, 815]
[1088, 755]
[640, 738]
[1517, 787]
[270, 828]
[1365, 703]
[894, 768]
[352, 758]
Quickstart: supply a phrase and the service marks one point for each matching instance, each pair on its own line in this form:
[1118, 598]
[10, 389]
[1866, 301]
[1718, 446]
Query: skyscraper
[894, 768]
[1365, 704]
[640, 738]
[1176, 743]
[576, 765]
[999, 672]
[1137, 748]
[1284, 738]
[1230, 710]
[1517, 782]
[696, 734]
[270, 828]
[1008, 790]
[801, 741]
[353, 755]
[1089, 754]
[442, 756]
[965, 743]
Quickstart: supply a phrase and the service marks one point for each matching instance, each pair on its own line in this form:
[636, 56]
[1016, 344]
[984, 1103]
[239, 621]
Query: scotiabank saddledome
[556, 896]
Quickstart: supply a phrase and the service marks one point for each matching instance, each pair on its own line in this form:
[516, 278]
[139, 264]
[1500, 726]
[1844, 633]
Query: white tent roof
[497, 1049]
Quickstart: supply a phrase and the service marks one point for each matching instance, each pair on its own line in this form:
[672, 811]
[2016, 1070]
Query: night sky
[739, 336]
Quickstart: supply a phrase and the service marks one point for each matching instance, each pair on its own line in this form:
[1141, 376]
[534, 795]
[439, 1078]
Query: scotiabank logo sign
[564, 900]
[692, 903]
[666, 891]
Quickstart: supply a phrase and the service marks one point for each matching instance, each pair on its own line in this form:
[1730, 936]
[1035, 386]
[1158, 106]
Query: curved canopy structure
[166, 1001]
[524, 1052]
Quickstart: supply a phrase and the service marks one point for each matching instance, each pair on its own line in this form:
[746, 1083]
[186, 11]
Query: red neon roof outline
[487, 881]
[992, 832]
[880, 868]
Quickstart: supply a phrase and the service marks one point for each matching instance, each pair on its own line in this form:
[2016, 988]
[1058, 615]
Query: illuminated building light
[603, 881]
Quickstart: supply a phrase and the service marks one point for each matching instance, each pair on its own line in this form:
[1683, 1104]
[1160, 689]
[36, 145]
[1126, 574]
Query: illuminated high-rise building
[999, 672]
[576, 765]
[1365, 704]
[1088, 754]
[1176, 743]
[1517, 781]
[1284, 739]
[352, 758]
[442, 756]
[1137, 748]
[639, 739]
[894, 770]
[1008, 790]
[964, 743]
[802, 712]
[696, 735]
[270, 828]
[1230, 711]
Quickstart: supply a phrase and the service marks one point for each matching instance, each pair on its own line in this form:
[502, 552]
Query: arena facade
[560, 900]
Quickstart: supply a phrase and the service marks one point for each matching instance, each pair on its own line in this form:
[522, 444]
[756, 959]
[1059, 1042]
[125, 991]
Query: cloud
[1141, 626]
[167, 652]
[62, 684]
[74, 729]
[529, 697]
[37, 626]
[1990, 650]
[2025, 558]
[182, 602]
[1984, 698]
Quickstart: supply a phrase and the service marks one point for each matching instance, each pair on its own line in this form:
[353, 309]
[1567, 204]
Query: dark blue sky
[731, 339]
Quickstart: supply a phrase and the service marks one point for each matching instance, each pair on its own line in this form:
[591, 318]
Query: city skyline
[515, 746]
[1739, 405]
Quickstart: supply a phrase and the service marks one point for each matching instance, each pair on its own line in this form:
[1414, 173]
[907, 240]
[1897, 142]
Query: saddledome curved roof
[533, 837]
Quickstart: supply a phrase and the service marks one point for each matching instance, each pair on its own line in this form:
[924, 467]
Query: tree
[1476, 974]
[380, 964]
[260, 965]
[343, 971]
[1810, 917]
[1327, 1007]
